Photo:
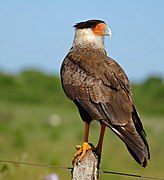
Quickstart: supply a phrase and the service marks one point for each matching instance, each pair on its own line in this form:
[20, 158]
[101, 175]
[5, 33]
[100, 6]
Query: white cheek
[86, 36]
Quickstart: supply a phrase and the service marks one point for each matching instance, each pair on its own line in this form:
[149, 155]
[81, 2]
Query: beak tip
[108, 32]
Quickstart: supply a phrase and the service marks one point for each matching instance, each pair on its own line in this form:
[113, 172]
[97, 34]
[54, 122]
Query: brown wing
[101, 91]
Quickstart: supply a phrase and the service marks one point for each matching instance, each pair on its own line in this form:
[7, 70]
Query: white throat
[84, 37]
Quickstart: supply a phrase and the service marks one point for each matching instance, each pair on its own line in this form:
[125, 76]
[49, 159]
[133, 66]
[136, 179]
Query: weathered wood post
[86, 169]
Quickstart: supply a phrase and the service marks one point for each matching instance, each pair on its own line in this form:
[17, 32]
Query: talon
[81, 151]
[78, 147]
[78, 153]
[85, 148]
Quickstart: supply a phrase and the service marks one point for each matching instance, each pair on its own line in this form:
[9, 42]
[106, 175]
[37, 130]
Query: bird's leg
[86, 134]
[85, 146]
[100, 142]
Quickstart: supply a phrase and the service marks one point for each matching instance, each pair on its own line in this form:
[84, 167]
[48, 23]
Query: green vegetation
[149, 96]
[39, 124]
[30, 86]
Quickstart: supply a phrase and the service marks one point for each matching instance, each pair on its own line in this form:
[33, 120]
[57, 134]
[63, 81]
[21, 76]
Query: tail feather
[139, 128]
[134, 143]
[131, 132]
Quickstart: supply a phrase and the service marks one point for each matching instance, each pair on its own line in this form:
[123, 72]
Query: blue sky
[38, 34]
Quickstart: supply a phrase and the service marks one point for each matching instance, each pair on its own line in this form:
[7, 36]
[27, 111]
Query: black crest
[88, 24]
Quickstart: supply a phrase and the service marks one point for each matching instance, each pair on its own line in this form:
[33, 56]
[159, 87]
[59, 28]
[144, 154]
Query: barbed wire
[130, 175]
[71, 168]
[35, 164]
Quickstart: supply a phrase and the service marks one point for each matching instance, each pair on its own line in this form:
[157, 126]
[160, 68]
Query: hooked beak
[107, 32]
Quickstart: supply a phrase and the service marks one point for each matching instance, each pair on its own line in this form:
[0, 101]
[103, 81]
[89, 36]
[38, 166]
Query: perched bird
[101, 91]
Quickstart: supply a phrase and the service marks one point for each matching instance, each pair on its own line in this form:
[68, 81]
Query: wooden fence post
[86, 169]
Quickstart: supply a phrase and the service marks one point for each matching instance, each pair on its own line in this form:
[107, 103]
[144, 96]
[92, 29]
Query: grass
[47, 134]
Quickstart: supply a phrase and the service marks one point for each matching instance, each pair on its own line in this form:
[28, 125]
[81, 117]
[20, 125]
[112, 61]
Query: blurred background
[36, 119]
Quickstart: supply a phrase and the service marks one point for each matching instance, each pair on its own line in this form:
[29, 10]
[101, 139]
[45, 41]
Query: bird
[101, 90]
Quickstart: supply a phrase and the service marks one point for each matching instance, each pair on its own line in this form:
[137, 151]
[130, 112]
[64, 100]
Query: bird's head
[91, 32]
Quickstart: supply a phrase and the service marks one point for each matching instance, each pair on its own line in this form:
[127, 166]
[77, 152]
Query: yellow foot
[81, 151]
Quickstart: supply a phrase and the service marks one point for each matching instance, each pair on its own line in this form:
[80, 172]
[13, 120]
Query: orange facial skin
[99, 29]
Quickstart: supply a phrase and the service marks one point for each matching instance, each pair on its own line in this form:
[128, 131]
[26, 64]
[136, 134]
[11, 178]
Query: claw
[78, 147]
[81, 151]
